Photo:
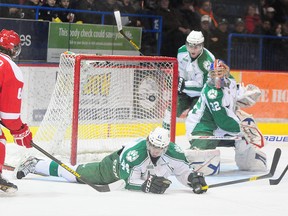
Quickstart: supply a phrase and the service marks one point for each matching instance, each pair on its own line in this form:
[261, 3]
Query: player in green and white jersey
[194, 61]
[216, 113]
[144, 165]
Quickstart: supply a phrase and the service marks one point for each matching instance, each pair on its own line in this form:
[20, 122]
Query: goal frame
[76, 97]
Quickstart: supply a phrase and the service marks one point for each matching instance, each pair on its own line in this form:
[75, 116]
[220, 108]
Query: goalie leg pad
[250, 129]
[249, 158]
[204, 161]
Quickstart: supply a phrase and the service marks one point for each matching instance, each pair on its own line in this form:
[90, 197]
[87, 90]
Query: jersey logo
[132, 155]
[178, 149]
[212, 94]
[206, 65]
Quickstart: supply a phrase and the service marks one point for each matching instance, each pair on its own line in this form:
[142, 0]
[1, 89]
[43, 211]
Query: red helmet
[10, 41]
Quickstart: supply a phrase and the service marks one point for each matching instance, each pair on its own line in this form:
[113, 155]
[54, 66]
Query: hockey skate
[26, 167]
[7, 186]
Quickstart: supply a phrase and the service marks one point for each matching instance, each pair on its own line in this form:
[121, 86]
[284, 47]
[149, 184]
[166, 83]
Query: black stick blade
[277, 181]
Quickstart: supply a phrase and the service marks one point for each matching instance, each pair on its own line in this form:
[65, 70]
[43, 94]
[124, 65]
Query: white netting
[120, 99]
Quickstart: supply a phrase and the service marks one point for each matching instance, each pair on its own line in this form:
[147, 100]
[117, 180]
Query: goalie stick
[274, 164]
[276, 181]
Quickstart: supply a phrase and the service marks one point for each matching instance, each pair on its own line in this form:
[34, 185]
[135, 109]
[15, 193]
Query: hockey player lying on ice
[144, 165]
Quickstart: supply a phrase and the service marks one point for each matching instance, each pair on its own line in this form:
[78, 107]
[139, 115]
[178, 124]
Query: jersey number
[125, 167]
[215, 106]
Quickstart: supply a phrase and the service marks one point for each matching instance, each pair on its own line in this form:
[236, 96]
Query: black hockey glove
[155, 184]
[181, 85]
[197, 182]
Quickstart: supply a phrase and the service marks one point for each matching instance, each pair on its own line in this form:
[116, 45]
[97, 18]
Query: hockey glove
[197, 182]
[23, 136]
[181, 85]
[155, 184]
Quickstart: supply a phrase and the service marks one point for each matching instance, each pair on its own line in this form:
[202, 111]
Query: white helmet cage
[159, 138]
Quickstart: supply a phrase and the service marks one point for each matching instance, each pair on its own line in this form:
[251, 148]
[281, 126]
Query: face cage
[153, 149]
[16, 51]
[195, 49]
[217, 78]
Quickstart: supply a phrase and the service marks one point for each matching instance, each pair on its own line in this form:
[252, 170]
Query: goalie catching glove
[155, 184]
[23, 136]
[197, 182]
[247, 95]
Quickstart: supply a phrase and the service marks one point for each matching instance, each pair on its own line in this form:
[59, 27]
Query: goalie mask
[218, 74]
[158, 142]
[10, 43]
[195, 43]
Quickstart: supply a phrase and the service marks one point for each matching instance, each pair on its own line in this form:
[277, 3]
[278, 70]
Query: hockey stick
[215, 137]
[120, 184]
[276, 181]
[120, 30]
[8, 167]
[274, 164]
[100, 188]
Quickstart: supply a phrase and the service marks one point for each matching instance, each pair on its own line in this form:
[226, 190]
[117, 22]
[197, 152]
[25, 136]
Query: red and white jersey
[11, 85]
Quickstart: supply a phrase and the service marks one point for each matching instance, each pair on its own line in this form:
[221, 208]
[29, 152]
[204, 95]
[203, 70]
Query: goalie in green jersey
[145, 165]
[217, 113]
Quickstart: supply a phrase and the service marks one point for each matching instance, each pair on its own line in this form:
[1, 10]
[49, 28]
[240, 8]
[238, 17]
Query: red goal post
[100, 103]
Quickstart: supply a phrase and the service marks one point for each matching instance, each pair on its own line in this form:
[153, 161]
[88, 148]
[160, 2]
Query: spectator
[219, 40]
[281, 11]
[188, 12]
[239, 26]
[175, 29]
[108, 6]
[278, 30]
[270, 15]
[86, 17]
[205, 27]
[30, 13]
[252, 19]
[266, 27]
[205, 8]
[65, 16]
[10, 12]
[149, 40]
[49, 15]
[125, 6]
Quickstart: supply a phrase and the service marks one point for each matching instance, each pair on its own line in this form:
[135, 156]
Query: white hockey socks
[205, 161]
[51, 168]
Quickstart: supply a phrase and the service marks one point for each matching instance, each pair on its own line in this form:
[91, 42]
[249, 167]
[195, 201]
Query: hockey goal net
[100, 103]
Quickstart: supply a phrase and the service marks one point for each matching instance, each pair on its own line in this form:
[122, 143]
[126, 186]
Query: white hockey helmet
[159, 138]
[195, 38]
[158, 142]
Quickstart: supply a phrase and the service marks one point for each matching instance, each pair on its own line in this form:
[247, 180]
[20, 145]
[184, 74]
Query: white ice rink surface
[48, 196]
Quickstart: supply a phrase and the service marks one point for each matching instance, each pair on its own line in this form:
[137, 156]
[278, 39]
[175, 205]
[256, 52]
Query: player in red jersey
[11, 85]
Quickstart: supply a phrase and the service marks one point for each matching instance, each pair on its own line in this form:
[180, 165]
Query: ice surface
[50, 196]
